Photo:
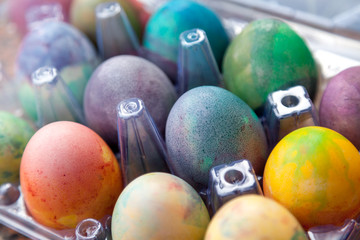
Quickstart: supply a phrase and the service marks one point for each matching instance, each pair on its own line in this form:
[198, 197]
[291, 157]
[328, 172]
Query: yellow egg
[254, 217]
[159, 206]
[315, 173]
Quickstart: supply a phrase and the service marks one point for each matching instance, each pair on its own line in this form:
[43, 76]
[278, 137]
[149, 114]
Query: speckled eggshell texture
[159, 206]
[120, 78]
[209, 126]
[340, 108]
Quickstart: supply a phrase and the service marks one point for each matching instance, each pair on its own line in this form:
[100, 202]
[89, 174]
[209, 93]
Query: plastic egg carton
[235, 15]
[13, 214]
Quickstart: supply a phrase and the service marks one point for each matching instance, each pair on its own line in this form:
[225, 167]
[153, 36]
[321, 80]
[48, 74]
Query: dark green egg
[267, 56]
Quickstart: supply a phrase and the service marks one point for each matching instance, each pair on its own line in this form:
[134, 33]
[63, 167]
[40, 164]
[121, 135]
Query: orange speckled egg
[315, 173]
[67, 174]
[254, 217]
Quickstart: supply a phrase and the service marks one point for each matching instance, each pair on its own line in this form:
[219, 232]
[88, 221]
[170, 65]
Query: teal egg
[208, 126]
[14, 135]
[167, 23]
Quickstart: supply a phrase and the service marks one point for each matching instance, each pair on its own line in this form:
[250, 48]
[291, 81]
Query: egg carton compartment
[13, 214]
[333, 53]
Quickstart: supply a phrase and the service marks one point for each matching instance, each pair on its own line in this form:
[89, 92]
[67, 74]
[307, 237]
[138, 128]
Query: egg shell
[339, 108]
[14, 135]
[159, 206]
[209, 126]
[254, 217]
[58, 45]
[169, 21]
[67, 174]
[314, 172]
[82, 16]
[118, 79]
[268, 55]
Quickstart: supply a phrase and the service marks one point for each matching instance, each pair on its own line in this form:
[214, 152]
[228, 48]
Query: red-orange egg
[67, 174]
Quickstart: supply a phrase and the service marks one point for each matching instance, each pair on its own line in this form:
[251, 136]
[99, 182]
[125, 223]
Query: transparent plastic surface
[286, 111]
[13, 214]
[114, 33]
[54, 100]
[349, 231]
[141, 147]
[196, 62]
[228, 181]
[338, 17]
[45, 12]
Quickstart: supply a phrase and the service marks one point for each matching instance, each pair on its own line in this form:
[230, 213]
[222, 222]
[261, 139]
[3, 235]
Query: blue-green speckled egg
[209, 126]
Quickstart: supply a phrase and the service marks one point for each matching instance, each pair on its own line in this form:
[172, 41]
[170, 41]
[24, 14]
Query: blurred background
[328, 14]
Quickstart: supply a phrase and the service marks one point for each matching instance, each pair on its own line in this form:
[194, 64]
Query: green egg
[267, 56]
[14, 135]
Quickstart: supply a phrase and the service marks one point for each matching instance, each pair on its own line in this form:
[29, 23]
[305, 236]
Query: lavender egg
[340, 108]
[209, 126]
[118, 79]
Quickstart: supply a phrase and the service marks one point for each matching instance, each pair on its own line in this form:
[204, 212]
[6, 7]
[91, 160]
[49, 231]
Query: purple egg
[120, 78]
[340, 105]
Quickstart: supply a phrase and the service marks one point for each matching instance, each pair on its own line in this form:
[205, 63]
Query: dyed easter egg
[120, 78]
[67, 174]
[208, 126]
[142, 10]
[254, 217]
[24, 12]
[314, 172]
[14, 135]
[58, 45]
[159, 206]
[82, 16]
[340, 108]
[164, 27]
[267, 56]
